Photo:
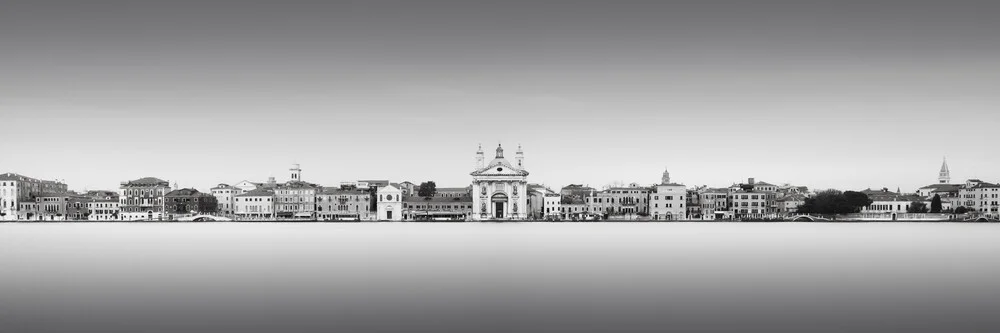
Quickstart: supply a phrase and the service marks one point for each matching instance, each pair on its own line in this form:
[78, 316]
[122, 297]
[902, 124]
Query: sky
[826, 94]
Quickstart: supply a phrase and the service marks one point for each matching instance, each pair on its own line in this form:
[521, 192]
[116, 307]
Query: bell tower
[520, 157]
[944, 177]
[666, 176]
[479, 158]
[296, 172]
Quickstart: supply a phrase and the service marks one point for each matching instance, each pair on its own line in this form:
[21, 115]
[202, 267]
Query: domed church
[499, 188]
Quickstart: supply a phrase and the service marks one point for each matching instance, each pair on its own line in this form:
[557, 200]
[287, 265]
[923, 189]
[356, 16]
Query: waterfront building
[714, 203]
[981, 197]
[142, 199]
[257, 204]
[499, 188]
[344, 204]
[767, 190]
[296, 198]
[789, 204]
[52, 206]
[225, 195]
[103, 208]
[628, 202]
[417, 208]
[189, 201]
[390, 203]
[748, 204]
[76, 207]
[15, 189]
[28, 211]
[543, 203]
[888, 202]
[598, 203]
[667, 200]
[574, 210]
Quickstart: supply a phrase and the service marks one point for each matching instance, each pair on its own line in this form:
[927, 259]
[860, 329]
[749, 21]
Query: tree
[427, 189]
[961, 210]
[917, 207]
[827, 202]
[936, 204]
[857, 200]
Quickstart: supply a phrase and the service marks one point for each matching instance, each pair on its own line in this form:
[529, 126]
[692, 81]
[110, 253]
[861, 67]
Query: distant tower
[666, 176]
[479, 158]
[296, 172]
[499, 151]
[520, 157]
[944, 177]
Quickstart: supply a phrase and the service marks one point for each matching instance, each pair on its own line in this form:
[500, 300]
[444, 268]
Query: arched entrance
[499, 204]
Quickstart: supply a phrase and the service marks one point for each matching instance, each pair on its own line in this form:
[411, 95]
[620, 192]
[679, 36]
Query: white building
[224, 196]
[390, 203]
[103, 209]
[16, 189]
[254, 205]
[981, 197]
[667, 200]
[748, 204]
[499, 188]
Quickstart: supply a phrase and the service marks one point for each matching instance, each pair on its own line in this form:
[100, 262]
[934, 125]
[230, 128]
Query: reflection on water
[474, 277]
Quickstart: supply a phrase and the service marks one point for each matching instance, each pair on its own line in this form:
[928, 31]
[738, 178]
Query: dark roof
[792, 197]
[415, 199]
[50, 195]
[14, 176]
[183, 192]
[985, 185]
[260, 192]
[945, 187]
[146, 181]
[340, 191]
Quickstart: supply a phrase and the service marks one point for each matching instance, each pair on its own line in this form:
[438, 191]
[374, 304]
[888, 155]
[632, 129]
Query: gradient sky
[845, 94]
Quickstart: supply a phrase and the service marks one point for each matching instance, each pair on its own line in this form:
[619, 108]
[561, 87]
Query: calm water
[486, 277]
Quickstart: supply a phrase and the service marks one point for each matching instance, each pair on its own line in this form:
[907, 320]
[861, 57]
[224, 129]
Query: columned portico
[499, 190]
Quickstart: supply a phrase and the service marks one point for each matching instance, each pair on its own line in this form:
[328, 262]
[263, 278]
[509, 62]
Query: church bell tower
[296, 172]
[944, 177]
[479, 158]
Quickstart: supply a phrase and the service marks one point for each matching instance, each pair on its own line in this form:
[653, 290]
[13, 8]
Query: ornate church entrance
[499, 203]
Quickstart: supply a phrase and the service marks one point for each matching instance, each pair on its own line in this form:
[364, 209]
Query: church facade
[499, 188]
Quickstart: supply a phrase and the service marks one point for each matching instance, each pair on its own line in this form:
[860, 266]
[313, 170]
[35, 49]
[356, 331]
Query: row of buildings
[499, 190]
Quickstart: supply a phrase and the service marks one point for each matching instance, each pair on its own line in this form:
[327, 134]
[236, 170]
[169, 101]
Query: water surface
[499, 277]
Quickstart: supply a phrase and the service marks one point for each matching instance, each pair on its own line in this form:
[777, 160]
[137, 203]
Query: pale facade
[51, 206]
[499, 188]
[748, 204]
[667, 202]
[103, 210]
[16, 189]
[390, 203]
[225, 196]
[254, 205]
[981, 197]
